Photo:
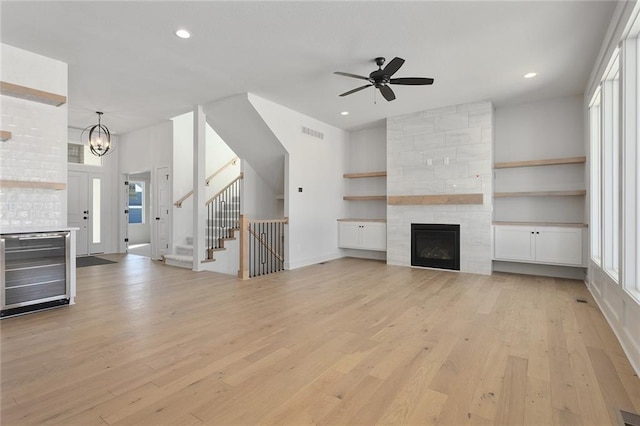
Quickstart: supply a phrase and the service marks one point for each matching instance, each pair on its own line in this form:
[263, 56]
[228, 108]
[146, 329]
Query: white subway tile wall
[37, 152]
[443, 151]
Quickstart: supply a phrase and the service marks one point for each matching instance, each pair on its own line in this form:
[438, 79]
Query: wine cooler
[35, 271]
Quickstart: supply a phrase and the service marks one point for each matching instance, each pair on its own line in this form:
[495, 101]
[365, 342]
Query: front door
[84, 211]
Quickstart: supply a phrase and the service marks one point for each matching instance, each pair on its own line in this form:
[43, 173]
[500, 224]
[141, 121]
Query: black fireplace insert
[435, 246]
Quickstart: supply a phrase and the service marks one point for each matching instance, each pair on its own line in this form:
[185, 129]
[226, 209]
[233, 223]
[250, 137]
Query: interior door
[78, 209]
[124, 217]
[161, 211]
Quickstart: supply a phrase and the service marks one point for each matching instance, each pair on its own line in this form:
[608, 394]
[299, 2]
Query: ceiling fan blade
[411, 81]
[356, 90]
[346, 74]
[393, 66]
[387, 93]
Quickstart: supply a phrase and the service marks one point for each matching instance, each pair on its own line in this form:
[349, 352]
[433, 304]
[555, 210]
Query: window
[136, 202]
[80, 154]
[611, 168]
[96, 211]
[594, 160]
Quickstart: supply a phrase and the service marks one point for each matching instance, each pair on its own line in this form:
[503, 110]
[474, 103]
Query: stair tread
[179, 257]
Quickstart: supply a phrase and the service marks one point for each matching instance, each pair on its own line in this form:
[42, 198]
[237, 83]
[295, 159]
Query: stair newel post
[243, 273]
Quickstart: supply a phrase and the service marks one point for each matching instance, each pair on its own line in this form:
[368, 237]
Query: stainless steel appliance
[35, 271]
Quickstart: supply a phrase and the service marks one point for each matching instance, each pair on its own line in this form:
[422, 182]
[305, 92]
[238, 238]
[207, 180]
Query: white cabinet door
[362, 235]
[374, 236]
[559, 245]
[349, 235]
[514, 243]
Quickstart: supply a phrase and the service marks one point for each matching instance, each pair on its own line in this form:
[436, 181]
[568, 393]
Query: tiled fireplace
[435, 159]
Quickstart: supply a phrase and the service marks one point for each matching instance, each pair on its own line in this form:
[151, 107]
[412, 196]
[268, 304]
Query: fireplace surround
[435, 246]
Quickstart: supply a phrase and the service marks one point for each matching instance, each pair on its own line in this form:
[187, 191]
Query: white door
[350, 235]
[161, 210]
[559, 245]
[78, 210]
[124, 217]
[84, 211]
[374, 236]
[514, 243]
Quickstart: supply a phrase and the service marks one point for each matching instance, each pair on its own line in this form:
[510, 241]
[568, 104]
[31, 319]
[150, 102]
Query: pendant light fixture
[99, 138]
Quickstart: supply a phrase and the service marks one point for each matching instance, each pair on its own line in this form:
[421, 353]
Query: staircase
[223, 213]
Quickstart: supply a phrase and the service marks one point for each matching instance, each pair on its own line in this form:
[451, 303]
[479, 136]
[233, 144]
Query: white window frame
[611, 187]
[595, 163]
[630, 162]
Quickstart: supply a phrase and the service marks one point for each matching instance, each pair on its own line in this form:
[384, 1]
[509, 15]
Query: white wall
[316, 166]
[547, 129]
[182, 176]
[146, 150]
[258, 199]
[37, 150]
[218, 154]
[366, 151]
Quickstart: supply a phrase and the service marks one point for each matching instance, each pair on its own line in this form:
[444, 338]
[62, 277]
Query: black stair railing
[266, 246]
[261, 246]
[223, 215]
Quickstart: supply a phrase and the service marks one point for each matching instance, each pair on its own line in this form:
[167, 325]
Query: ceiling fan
[381, 78]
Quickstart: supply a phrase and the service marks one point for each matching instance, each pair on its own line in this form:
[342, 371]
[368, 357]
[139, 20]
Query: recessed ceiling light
[183, 33]
[530, 75]
[344, 113]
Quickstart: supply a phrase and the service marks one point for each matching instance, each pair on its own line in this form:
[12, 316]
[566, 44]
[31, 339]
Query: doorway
[139, 217]
[84, 211]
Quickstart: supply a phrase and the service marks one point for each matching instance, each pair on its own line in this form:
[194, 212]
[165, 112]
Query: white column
[199, 163]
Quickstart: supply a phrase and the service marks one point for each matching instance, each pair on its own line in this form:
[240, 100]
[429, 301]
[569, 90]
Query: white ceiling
[125, 60]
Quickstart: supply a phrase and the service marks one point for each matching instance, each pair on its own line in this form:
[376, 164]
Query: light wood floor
[347, 342]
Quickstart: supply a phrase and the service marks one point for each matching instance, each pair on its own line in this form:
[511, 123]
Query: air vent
[312, 133]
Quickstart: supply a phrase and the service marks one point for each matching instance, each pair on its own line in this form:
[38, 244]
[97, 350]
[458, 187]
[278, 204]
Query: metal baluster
[208, 228]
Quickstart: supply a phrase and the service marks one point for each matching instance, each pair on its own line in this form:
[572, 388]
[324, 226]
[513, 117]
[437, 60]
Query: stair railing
[223, 215]
[261, 246]
[185, 197]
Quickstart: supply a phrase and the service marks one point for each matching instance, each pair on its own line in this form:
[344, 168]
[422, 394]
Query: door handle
[86, 212]
[157, 218]
[85, 218]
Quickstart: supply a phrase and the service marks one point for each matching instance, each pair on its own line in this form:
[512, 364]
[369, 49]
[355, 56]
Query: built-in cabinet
[364, 225]
[553, 245]
[362, 235]
[545, 241]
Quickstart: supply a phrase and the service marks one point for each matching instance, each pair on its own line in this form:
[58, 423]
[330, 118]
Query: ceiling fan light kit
[381, 78]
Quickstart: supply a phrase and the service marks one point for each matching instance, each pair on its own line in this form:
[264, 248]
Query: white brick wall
[442, 151]
[37, 150]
